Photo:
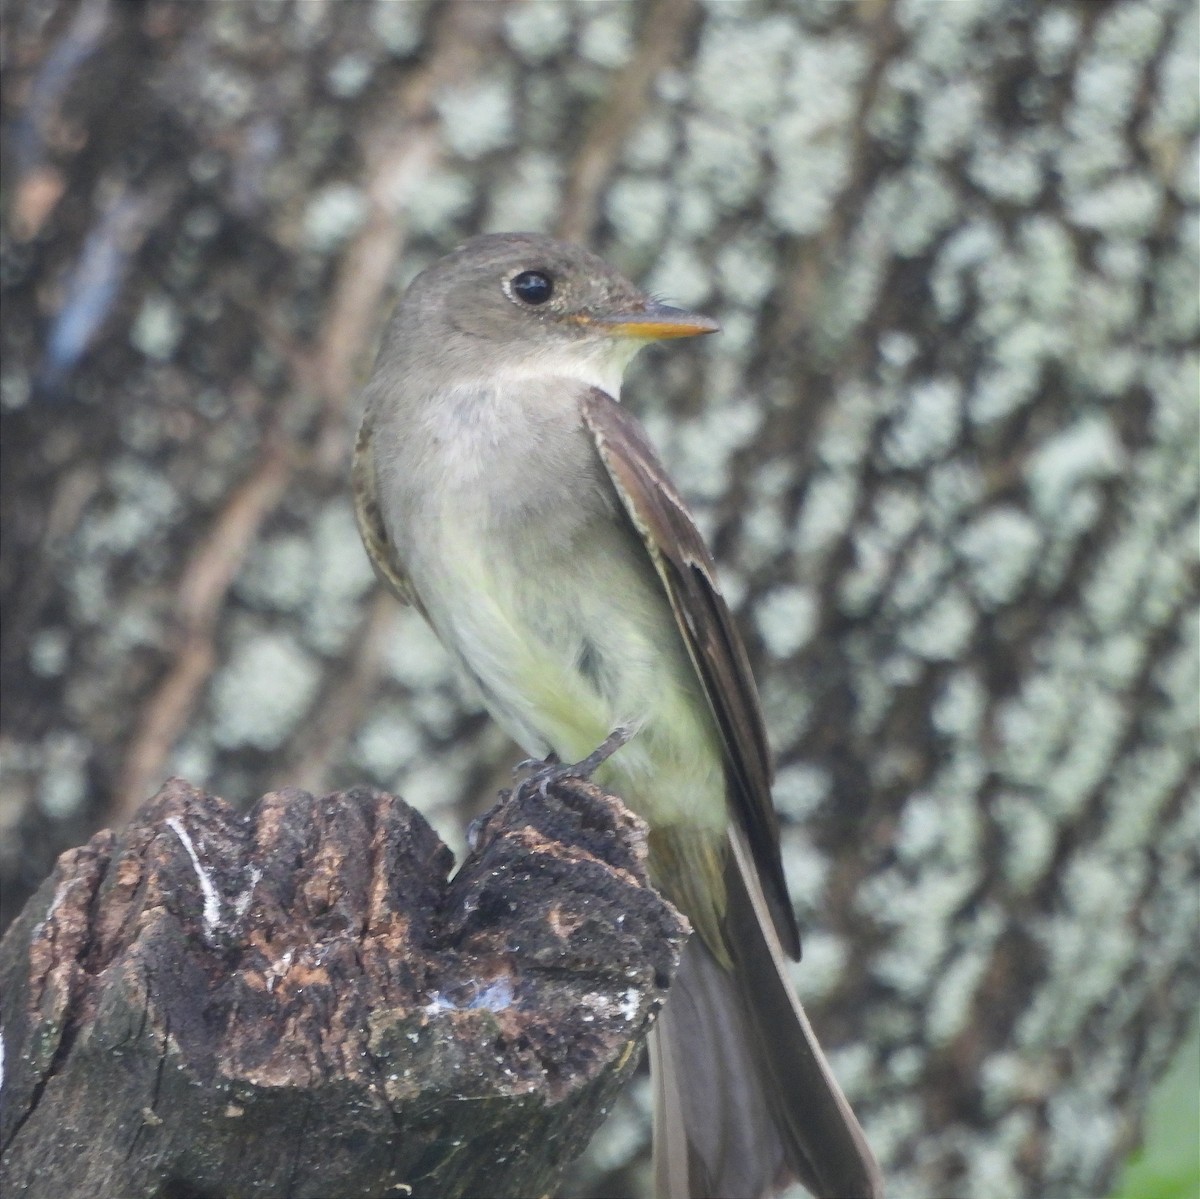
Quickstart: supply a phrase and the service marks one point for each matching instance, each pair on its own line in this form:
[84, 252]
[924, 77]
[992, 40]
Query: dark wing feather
[689, 577]
[370, 522]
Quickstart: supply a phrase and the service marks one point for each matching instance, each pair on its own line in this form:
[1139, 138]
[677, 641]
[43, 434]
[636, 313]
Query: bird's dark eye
[532, 287]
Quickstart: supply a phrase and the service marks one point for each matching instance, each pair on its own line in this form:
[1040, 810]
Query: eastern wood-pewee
[503, 491]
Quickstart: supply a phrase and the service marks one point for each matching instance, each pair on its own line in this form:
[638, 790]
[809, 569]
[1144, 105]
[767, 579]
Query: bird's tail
[744, 1099]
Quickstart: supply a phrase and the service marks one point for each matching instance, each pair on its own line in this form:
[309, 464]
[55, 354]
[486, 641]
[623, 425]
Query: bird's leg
[605, 750]
[552, 769]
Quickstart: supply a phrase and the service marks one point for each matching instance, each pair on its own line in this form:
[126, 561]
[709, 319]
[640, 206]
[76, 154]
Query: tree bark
[945, 451]
[300, 1002]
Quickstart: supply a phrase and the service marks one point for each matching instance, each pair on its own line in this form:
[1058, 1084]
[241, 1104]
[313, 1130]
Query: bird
[503, 490]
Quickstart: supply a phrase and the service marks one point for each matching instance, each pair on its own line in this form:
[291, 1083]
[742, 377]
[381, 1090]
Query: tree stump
[301, 1001]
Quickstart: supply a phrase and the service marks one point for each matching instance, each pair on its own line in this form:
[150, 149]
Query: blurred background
[946, 452]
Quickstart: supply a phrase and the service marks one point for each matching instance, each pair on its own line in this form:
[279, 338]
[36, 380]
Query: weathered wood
[300, 1001]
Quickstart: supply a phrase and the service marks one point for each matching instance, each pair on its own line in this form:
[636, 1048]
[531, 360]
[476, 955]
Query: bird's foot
[551, 759]
[552, 770]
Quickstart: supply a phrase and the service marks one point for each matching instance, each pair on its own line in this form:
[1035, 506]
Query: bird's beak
[651, 322]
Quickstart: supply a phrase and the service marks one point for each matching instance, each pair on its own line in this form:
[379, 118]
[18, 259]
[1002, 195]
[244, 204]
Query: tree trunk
[945, 450]
[300, 1003]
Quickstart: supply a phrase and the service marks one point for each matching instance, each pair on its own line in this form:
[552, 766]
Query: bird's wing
[370, 522]
[688, 574]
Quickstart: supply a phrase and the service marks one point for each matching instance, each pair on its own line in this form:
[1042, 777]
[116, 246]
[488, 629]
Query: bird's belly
[566, 642]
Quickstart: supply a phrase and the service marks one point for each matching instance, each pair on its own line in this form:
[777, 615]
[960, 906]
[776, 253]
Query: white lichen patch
[998, 550]
[1087, 951]
[527, 195]
[435, 207]
[700, 457]
[959, 708]
[48, 652]
[278, 574]
[811, 177]
[1086, 763]
[387, 743]
[414, 657]
[889, 1127]
[1056, 37]
[787, 618]
[740, 333]
[953, 490]
[348, 75]
[1176, 109]
[606, 36]
[991, 1160]
[438, 712]
[806, 871]
[762, 535]
[919, 914]
[799, 790]
[1177, 678]
[826, 511]
[192, 759]
[809, 141]
[637, 206]
[157, 328]
[1082, 453]
[895, 515]
[746, 269]
[949, 1007]
[924, 569]
[478, 118]
[739, 68]
[961, 255]
[434, 785]
[943, 630]
[787, 709]
[719, 162]
[398, 26]
[680, 273]
[535, 31]
[262, 691]
[651, 145]
[927, 426]
[1007, 1076]
[922, 204]
[847, 426]
[1009, 170]
[332, 215]
[950, 118]
[824, 964]
[1125, 205]
[144, 505]
[341, 576]
[1119, 660]
[630, 1003]
[63, 785]
[1083, 1133]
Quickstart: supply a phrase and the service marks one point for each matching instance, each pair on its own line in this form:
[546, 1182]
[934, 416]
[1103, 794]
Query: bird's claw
[553, 770]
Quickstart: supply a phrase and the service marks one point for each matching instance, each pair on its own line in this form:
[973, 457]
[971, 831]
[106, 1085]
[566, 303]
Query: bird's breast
[538, 586]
